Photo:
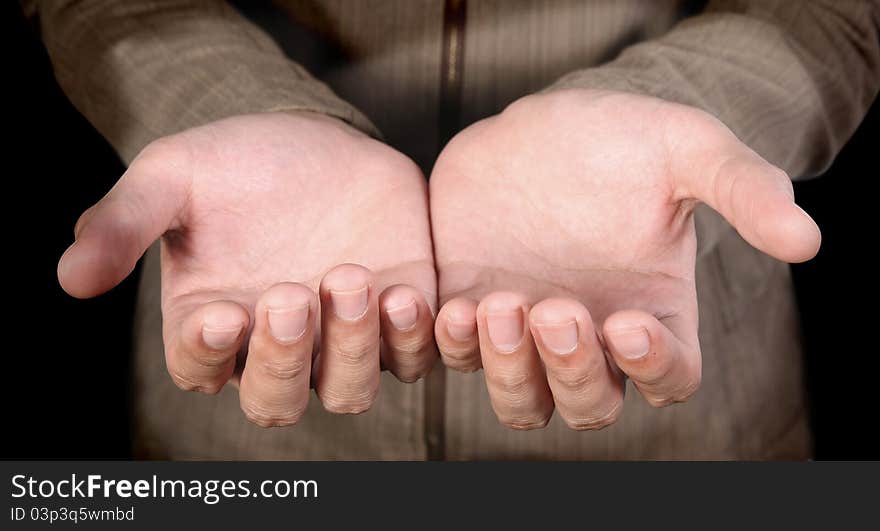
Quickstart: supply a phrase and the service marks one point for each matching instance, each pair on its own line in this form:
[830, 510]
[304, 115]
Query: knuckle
[660, 402]
[655, 369]
[689, 388]
[574, 380]
[408, 346]
[534, 421]
[410, 375]
[516, 383]
[586, 423]
[664, 394]
[203, 372]
[267, 418]
[187, 383]
[354, 350]
[212, 360]
[285, 369]
[407, 377]
[211, 389]
[347, 404]
[183, 382]
[467, 365]
[461, 355]
[415, 364]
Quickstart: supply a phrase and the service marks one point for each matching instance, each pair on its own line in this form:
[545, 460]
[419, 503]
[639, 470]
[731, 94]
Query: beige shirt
[791, 78]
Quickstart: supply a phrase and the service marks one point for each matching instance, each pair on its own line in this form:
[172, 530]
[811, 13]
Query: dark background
[66, 361]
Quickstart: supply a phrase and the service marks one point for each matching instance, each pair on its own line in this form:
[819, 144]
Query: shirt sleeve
[792, 79]
[142, 69]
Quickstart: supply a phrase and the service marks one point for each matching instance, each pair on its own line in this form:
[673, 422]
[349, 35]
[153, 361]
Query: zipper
[452, 68]
[448, 123]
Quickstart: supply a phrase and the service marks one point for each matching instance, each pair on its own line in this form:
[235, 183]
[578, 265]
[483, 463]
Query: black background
[66, 361]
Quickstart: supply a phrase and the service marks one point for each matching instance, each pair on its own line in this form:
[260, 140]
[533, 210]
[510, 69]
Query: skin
[563, 239]
[293, 248]
[565, 248]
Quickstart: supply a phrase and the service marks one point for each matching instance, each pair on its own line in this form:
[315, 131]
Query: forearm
[142, 69]
[791, 79]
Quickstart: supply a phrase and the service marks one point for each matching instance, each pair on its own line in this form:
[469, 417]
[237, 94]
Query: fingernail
[404, 317]
[505, 329]
[631, 343]
[65, 263]
[561, 338]
[350, 305]
[220, 337]
[288, 324]
[809, 217]
[461, 330]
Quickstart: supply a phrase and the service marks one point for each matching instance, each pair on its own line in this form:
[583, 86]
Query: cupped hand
[262, 220]
[565, 248]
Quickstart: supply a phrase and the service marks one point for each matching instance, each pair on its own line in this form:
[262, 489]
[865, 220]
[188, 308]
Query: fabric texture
[791, 79]
[806, 72]
[145, 69]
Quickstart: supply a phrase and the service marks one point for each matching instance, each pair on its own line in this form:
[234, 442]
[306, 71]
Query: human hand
[565, 248]
[254, 212]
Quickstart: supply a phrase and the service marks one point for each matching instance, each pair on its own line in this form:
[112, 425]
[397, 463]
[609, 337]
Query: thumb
[112, 235]
[753, 195]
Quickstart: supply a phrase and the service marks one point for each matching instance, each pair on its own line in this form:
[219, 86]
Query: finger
[587, 390]
[515, 377]
[407, 333]
[752, 194]
[455, 331]
[275, 382]
[111, 236]
[200, 355]
[663, 367]
[347, 378]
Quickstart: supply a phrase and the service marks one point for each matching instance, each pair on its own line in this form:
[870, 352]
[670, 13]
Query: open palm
[257, 215]
[563, 230]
